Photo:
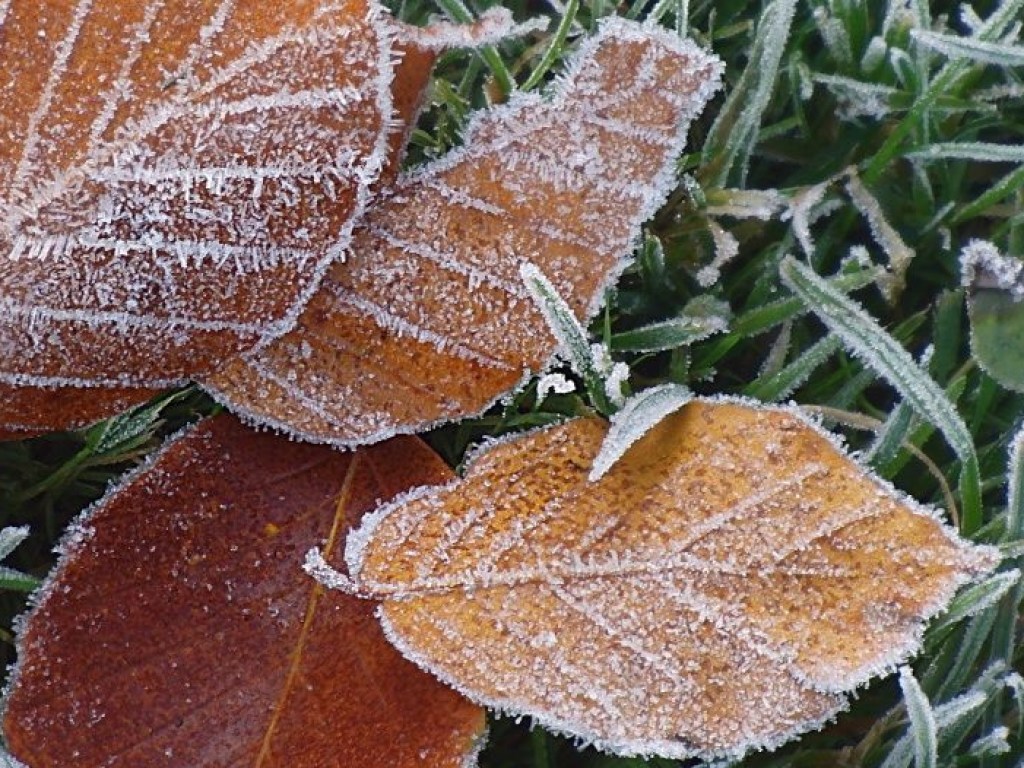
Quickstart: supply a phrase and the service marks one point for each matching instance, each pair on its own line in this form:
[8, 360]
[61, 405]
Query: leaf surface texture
[718, 590]
[181, 630]
[429, 320]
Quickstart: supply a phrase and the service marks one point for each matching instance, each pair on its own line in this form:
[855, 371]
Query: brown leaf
[719, 590]
[26, 411]
[181, 631]
[429, 321]
[176, 175]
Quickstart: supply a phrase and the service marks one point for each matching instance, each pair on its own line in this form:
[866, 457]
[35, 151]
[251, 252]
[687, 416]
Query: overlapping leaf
[176, 175]
[718, 590]
[429, 321]
[179, 629]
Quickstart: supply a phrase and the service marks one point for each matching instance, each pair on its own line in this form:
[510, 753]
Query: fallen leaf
[720, 589]
[177, 176]
[28, 411]
[179, 629]
[429, 321]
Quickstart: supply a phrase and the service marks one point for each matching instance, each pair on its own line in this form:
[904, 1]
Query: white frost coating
[992, 743]
[7, 760]
[858, 98]
[956, 47]
[922, 720]
[899, 253]
[126, 202]
[727, 247]
[493, 26]
[554, 382]
[11, 537]
[638, 416]
[582, 573]
[983, 266]
[1015, 483]
[317, 566]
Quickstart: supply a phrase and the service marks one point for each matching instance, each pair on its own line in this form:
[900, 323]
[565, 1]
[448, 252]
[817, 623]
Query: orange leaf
[719, 590]
[429, 321]
[180, 630]
[177, 176]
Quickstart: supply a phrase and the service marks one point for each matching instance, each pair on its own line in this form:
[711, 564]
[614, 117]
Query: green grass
[853, 90]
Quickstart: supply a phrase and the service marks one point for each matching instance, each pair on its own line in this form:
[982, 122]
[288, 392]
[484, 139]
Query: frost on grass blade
[995, 303]
[428, 320]
[717, 591]
[181, 631]
[176, 177]
[638, 416]
[922, 721]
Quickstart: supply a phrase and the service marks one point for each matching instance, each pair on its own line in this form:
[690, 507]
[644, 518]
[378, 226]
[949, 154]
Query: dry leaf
[719, 590]
[177, 176]
[27, 411]
[429, 320]
[179, 629]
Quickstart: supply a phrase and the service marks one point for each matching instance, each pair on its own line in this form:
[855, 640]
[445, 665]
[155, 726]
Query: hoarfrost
[554, 382]
[178, 199]
[982, 266]
[638, 416]
[428, 321]
[685, 604]
[899, 253]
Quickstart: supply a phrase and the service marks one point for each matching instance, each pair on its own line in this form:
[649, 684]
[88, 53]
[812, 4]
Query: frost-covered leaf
[29, 410]
[179, 629]
[995, 285]
[177, 177]
[718, 590]
[429, 319]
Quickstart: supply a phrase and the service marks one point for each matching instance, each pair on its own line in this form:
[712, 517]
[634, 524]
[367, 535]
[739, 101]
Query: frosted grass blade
[977, 151]
[668, 334]
[877, 349]
[637, 417]
[734, 133]
[922, 721]
[782, 384]
[983, 51]
[572, 339]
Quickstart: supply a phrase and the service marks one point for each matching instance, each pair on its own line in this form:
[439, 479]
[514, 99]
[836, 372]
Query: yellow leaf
[719, 590]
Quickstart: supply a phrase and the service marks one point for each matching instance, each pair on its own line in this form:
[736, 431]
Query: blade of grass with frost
[572, 339]
[730, 143]
[983, 51]
[954, 719]
[922, 721]
[877, 349]
[978, 151]
[782, 384]
[456, 10]
[556, 46]
[941, 85]
[667, 334]
[10, 578]
[638, 416]
[976, 598]
[997, 192]
[889, 441]
[766, 316]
